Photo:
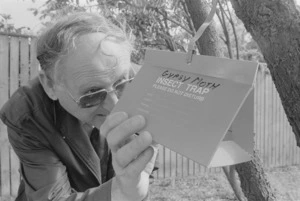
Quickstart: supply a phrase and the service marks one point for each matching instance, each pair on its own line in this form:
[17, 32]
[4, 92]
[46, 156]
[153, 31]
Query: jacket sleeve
[44, 175]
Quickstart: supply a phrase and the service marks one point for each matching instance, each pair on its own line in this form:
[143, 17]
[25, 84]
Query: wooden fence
[17, 65]
[274, 138]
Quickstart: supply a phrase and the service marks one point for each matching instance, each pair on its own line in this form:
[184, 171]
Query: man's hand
[133, 155]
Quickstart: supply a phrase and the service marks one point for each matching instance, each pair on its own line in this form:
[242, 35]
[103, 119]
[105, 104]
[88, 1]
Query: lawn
[215, 187]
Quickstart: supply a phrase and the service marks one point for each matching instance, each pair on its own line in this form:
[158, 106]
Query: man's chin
[98, 121]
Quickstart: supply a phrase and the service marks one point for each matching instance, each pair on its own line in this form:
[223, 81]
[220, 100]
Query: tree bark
[209, 44]
[254, 181]
[275, 26]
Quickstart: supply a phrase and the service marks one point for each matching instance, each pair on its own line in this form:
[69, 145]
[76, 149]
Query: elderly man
[69, 146]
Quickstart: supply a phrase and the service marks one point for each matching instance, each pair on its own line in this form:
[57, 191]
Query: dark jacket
[58, 160]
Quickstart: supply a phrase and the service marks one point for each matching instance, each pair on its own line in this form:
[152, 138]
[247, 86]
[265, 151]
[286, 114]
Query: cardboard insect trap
[203, 110]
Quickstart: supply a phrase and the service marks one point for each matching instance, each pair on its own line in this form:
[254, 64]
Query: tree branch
[148, 7]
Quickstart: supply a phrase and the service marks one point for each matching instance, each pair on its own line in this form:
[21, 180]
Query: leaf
[121, 5]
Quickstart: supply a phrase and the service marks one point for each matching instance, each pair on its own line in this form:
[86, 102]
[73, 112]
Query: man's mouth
[103, 114]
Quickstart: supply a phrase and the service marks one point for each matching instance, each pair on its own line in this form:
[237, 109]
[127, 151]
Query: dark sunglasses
[98, 97]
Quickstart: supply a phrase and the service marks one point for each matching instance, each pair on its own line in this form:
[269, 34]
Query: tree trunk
[253, 181]
[230, 174]
[209, 44]
[275, 26]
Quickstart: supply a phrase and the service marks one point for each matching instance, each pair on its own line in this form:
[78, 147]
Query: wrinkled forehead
[112, 50]
[99, 52]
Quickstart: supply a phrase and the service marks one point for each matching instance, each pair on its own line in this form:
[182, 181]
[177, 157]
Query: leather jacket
[58, 160]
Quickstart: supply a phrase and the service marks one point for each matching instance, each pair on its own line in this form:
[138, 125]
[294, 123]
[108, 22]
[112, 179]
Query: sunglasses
[98, 97]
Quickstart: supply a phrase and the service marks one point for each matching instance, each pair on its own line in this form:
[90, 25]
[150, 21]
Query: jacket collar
[77, 138]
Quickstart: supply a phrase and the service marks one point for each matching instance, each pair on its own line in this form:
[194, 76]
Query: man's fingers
[120, 133]
[150, 166]
[141, 162]
[112, 121]
[130, 151]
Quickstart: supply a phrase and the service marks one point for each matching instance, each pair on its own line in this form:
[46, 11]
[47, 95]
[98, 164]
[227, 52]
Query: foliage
[239, 43]
[7, 27]
[159, 24]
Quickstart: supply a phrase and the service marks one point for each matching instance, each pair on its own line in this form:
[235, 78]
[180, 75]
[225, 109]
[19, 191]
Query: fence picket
[13, 85]
[173, 164]
[161, 162]
[191, 167]
[185, 166]
[273, 115]
[33, 59]
[24, 61]
[4, 90]
[278, 132]
[179, 165]
[14, 64]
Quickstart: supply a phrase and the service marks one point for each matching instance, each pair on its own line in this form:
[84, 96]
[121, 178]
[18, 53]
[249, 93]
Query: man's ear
[47, 85]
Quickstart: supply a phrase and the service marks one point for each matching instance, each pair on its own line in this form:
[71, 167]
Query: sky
[21, 16]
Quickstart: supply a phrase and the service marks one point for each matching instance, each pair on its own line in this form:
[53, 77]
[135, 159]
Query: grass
[215, 187]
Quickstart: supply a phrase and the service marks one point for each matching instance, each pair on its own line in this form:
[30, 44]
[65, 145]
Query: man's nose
[110, 101]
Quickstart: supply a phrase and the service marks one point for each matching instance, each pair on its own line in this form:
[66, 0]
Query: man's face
[95, 63]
